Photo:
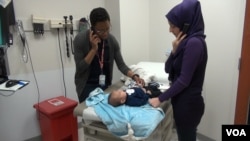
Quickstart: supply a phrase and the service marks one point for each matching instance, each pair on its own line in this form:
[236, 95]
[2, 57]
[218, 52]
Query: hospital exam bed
[95, 130]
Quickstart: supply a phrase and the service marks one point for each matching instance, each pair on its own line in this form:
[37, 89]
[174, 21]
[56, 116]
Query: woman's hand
[177, 41]
[94, 40]
[155, 102]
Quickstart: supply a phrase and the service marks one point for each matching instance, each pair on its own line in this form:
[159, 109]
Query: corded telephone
[93, 29]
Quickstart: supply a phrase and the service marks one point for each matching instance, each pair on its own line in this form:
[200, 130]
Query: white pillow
[146, 75]
[157, 69]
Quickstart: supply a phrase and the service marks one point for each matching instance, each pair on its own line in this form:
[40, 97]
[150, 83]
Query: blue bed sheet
[143, 120]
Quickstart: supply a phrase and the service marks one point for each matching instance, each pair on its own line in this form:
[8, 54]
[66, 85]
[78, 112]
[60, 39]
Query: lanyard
[102, 57]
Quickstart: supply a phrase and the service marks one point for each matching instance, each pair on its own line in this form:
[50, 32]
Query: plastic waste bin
[56, 119]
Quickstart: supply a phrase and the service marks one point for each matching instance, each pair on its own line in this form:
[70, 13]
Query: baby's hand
[143, 89]
[139, 85]
[149, 92]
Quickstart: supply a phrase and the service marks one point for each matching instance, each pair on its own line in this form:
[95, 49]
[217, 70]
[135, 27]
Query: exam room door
[242, 113]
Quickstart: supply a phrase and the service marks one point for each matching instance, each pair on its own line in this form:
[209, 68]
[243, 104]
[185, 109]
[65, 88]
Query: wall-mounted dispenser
[38, 25]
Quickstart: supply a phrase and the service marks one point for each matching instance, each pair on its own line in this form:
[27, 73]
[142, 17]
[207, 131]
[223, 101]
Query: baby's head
[117, 97]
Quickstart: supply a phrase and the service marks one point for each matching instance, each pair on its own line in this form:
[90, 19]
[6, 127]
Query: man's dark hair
[98, 15]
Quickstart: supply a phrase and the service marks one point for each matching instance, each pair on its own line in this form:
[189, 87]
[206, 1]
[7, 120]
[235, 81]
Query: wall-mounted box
[59, 23]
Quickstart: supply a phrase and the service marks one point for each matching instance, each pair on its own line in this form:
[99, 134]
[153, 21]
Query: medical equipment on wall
[21, 31]
[22, 35]
[66, 35]
[38, 28]
[38, 25]
[71, 33]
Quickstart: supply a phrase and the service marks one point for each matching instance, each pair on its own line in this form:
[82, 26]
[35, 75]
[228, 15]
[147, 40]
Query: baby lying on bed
[135, 96]
[117, 119]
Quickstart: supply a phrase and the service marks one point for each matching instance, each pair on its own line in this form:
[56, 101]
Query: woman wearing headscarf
[186, 66]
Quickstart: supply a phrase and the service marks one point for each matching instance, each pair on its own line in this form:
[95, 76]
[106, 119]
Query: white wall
[134, 30]
[160, 37]
[114, 13]
[143, 34]
[224, 36]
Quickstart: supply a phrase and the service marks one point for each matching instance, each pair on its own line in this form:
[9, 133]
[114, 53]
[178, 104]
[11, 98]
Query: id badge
[102, 79]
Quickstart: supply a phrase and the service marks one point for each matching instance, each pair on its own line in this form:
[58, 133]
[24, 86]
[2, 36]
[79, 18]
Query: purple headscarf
[188, 11]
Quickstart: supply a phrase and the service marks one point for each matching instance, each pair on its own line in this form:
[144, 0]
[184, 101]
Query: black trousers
[186, 134]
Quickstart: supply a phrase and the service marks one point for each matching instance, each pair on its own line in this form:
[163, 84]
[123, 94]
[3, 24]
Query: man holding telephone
[95, 52]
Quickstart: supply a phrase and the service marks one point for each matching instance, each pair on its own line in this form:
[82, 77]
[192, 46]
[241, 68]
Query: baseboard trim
[39, 138]
[203, 137]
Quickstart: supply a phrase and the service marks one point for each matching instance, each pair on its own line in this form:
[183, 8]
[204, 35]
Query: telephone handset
[185, 28]
[93, 29]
